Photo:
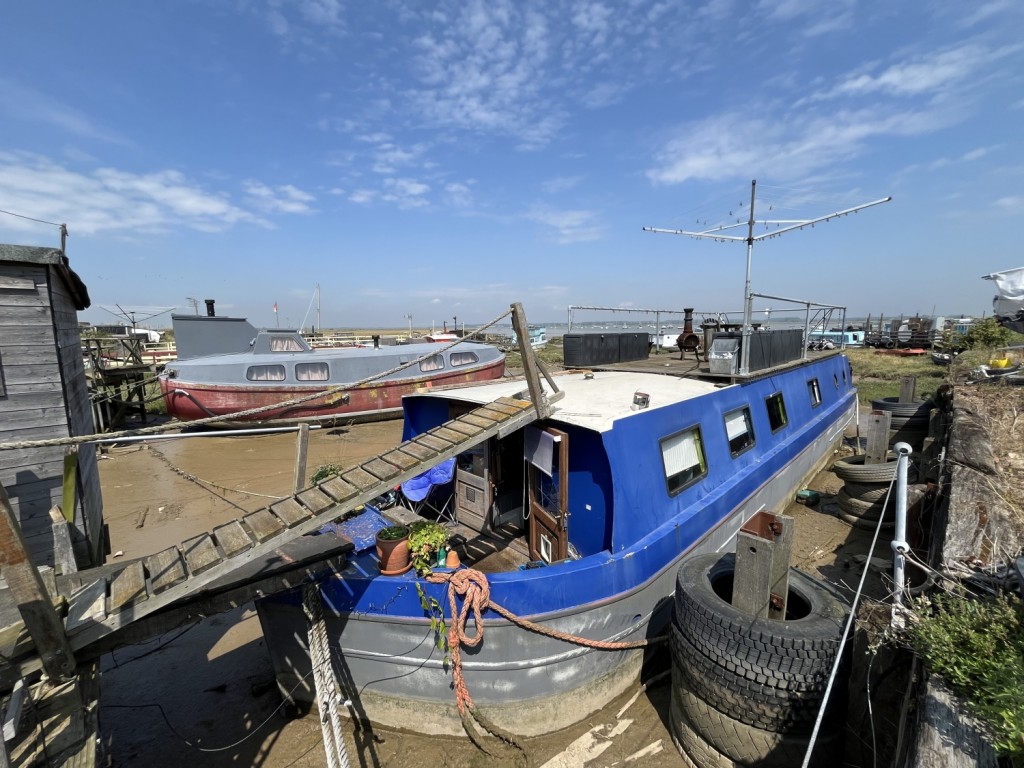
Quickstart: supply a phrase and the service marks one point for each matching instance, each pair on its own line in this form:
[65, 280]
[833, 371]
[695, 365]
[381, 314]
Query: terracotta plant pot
[393, 554]
[452, 561]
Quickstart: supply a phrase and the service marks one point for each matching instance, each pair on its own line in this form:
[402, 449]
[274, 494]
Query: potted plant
[393, 549]
[427, 543]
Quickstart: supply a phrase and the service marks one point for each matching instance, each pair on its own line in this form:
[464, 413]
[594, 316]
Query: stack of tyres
[865, 496]
[909, 422]
[747, 691]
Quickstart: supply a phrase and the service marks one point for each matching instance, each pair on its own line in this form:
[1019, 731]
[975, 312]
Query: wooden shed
[44, 395]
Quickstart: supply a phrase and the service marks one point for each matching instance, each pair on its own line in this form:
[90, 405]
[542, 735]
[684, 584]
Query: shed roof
[31, 254]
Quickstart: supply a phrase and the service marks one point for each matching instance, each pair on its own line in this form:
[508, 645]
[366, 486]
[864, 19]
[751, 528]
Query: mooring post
[908, 386]
[41, 620]
[878, 437]
[530, 368]
[760, 585]
[301, 451]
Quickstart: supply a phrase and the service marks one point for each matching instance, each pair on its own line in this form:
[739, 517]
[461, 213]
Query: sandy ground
[205, 695]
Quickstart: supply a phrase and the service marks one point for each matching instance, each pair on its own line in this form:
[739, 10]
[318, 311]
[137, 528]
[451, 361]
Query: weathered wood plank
[877, 437]
[129, 586]
[433, 442]
[165, 569]
[87, 605]
[200, 553]
[491, 413]
[315, 499]
[513, 402]
[464, 427]
[479, 421]
[400, 459]
[505, 408]
[232, 538]
[447, 434]
[417, 451]
[948, 736]
[380, 469]
[290, 512]
[263, 524]
[338, 489]
[360, 478]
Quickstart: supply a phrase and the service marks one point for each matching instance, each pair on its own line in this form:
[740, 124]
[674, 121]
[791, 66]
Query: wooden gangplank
[114, 600]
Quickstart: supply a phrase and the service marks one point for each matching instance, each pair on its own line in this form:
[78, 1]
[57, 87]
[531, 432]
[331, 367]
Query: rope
[200, 481]
[328, 696]
[473, 587]
[322, 393]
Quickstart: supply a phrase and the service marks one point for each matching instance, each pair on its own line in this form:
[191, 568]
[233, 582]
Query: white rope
[846, 632]
[328, 697]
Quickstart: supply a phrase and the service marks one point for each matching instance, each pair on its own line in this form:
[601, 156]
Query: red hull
[204, 400]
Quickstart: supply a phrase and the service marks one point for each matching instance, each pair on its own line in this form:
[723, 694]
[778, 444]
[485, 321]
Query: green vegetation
[878, 376]
[323, 472]
[985, 334]
[551, 352]
[426, 539]
[393, 532]
[977, 646]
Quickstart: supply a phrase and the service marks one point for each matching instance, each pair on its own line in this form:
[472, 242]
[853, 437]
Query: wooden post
[529, 361]
[63, 551]
[301, 451]
[70, 481]
[760, 585]
[41, 620]
[878, 437]
[908, 385]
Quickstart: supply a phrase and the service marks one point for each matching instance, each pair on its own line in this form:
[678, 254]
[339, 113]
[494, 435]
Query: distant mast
[716, 233]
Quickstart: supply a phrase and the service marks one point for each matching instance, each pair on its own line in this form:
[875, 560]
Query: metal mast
[718, 233]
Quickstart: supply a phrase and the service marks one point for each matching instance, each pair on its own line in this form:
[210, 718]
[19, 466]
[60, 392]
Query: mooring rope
[323, 393]
[473, 587]
[328, 697]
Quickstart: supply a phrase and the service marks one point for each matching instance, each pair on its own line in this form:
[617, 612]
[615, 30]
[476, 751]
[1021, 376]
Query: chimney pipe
[209, 308]
[687, 321]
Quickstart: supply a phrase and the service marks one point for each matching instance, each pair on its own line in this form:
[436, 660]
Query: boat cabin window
[284, 344]
[683, 457]
[740, 430]
[432, 363]
[312, 372]
[463, 358]
[265, 373]
[835, 380]
[815, 392]
[776, 411]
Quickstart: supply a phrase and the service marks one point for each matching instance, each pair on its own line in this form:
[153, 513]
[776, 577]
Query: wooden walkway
[116, 598]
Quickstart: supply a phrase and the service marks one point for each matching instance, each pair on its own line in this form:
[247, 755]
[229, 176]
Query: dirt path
[205, 696]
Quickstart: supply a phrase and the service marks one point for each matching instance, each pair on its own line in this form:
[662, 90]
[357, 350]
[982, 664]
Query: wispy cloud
[108, 200]
[561, 184]
[19, 102]
[569, 226]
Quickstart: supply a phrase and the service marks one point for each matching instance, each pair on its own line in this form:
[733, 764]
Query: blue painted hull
[524, 680]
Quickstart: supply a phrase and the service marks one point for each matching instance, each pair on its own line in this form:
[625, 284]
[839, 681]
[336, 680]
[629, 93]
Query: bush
[977, 645]
[323, 472]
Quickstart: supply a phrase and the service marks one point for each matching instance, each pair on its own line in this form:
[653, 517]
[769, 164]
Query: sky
[441, 160]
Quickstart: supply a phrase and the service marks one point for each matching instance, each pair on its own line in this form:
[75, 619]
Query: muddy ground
[205, 695]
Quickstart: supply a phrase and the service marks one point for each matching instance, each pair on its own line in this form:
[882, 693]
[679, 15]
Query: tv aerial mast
[720, 233]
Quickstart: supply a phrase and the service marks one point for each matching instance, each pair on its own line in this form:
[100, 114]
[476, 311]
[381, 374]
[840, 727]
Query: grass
[878, 376]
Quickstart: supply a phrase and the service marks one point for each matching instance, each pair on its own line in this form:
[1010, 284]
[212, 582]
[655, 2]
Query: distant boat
[538, 336]
[227, 366]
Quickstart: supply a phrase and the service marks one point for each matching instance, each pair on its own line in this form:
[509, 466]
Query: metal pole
[215, 433]
[899, 542]
[748, 300]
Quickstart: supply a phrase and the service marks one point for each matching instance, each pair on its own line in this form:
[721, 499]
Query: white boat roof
[592, 400]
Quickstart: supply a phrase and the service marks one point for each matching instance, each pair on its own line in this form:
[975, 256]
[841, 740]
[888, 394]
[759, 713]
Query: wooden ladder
[114, 600]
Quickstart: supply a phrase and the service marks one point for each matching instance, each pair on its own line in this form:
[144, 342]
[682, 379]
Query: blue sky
[445, 159]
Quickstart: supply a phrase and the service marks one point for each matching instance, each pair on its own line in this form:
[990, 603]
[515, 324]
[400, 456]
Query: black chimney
[209, 308]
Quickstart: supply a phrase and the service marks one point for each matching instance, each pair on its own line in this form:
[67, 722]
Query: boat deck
[669, 363]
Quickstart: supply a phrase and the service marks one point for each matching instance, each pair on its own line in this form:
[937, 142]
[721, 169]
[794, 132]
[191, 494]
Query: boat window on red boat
[740, 430]
[683, 457]
[284, 344]
[312, 372]
[463, 358]
[432, 363]
[815, 392]
[265, 373]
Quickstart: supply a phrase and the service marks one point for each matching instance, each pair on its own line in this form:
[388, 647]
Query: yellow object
[1003, 362]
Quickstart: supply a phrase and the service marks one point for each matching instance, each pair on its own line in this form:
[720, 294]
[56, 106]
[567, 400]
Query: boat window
[683, 457]
[463, 358]
[284, 344]
[432, 363]
[265, 373]
[740, 430]
[835, 380]
[776, 411]
[312, 372]
[815, 392]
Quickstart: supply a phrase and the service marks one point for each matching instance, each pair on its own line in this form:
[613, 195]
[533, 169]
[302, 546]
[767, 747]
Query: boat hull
[189, 401]
[526, 683]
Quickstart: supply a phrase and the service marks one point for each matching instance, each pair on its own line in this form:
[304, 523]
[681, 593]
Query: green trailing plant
[323, 472]
[977, 646]
[433, 609]
[426, 539]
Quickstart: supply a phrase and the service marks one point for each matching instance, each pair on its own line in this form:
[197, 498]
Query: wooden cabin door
[549, 501]
[473, 488]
